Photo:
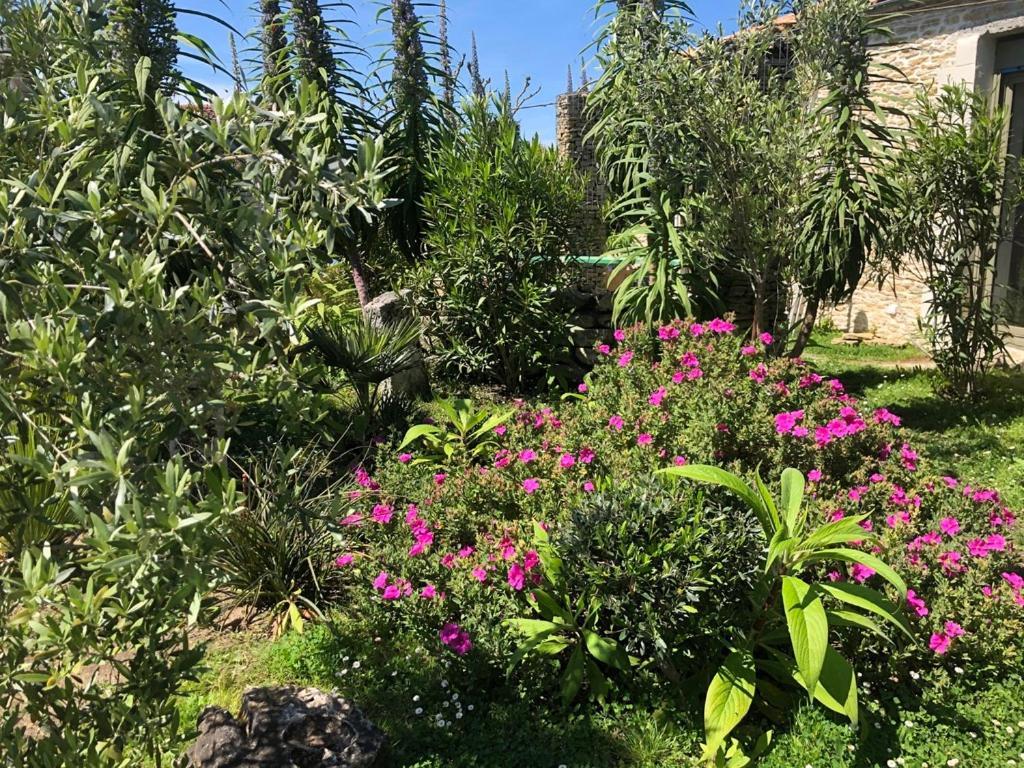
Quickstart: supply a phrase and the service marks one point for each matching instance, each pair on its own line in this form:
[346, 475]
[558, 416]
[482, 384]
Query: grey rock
[388, 309]
[287, 728]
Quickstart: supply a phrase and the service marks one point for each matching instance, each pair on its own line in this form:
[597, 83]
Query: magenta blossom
[625, 359]
[748, 351]
[582, 389]
[620, 335]
[644, 438]
[405, 458]
[915, 602]
[668, 333]
[616, 423]
[766, 339]
[344, 560]
[527, 455]
[516, 577]
[567, 460]
[949, 526]
[814, 475]
[531, 484]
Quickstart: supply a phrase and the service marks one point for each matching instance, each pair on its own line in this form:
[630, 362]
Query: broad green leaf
[792, 499]
[769, 504]
[716, 476]
[837, 532]
[864, 558]
[728, 699]
[416, 432]
[871, 600]
[606, 650]
[808, 628]
[572, 678]
[532, 627]
[837, 686]
[854, 620]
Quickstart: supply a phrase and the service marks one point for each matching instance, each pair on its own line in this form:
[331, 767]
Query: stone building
[933, 42]
[937, 42]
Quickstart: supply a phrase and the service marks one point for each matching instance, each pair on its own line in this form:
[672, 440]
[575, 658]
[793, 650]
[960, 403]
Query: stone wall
[571, 127]
[933, 43]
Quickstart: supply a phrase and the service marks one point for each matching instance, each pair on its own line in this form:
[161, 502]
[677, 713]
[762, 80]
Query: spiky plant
[313, 46]
[146, 28]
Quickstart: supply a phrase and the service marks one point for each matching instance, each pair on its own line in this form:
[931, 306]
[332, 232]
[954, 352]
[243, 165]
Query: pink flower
[678, 377]
[620, 335]
[748, 351]
[954, 630]
[405, 458]
[616, 423]
[465, 552]
[786, 421]
[354, 519]
[996, 543]
[814, 475]
[915, 602]
[508, 549]
[987, 591]
[977, 548]
[527, 455]
[448, 560]
[720, 326]
[939, 643]
[693, 374]
[800, 432]
[644, 439]
[582, 389]
[855, 494]
[625, 359]
[950, 562]
[877, 478]
[381, 581]
[500, 430]
[531, 484]
[516, 577]
[439, 478]
[949, 526]
[951, 482]
[909, 457]
[382, 513]
[1015, 580]
[679, 461]
[588, 487]
[689, 360]
[668, 332]
[809, 380]
[429, 592]
[531, 559]
[344, 560]
[392, 592]
[657, 396]
[766, 339]
[885, 416]
[456, 638]
[697, 330]
[587, 455]
[861, 573]
[604, 349]
[479, 574]
[759, 373]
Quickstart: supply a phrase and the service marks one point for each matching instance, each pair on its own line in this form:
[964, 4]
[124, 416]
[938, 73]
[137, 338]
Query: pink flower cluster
[941, 641]
[456, 638]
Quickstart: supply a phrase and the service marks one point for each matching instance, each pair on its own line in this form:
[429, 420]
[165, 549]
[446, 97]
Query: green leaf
[416, 432]
[531, 627]
[606, 650]
[837, 686]
[728, 699]
[808, 628]
[837, 532]
[716, 476]
[869, 599]
[792, 499]
[854, 620]
[572, 678]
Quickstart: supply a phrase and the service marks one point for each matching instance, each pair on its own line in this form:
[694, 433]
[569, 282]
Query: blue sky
[529, 38]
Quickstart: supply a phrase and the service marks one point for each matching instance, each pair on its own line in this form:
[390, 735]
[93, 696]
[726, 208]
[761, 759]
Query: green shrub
[671, 569]
[500, 234]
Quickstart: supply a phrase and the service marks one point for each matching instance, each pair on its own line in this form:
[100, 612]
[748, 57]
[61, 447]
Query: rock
[854, 339]
[387, 309]
[287, 728]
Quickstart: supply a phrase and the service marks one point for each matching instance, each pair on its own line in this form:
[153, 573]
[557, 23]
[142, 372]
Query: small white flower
[458, 715]
[356, 664]
[972, 734]
[344, 671]
[890, 763]
[909, 723]
[445, 704]
[850, 748]
[419, 710]
[469, 707]
[953, 763]
[958, 670]
[416, 697]
[345, 658]
[914, 676]
[444, 683]
[395, 673]
[455, 697]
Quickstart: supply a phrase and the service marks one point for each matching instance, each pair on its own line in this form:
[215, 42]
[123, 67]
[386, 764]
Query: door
[1009, 278]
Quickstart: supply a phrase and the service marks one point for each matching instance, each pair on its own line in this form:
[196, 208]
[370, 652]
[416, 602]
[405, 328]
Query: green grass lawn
[823, 351]
[981, 727]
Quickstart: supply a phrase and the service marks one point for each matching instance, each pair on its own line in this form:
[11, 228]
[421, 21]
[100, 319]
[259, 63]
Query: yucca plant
[276, 554]
[787, 642]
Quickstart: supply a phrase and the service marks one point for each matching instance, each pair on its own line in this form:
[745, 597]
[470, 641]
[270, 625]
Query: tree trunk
[757, 312]
[807, 326]
[360, 278]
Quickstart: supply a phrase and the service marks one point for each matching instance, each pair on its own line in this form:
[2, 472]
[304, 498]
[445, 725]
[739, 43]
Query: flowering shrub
[443, 548]
[959, 549]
